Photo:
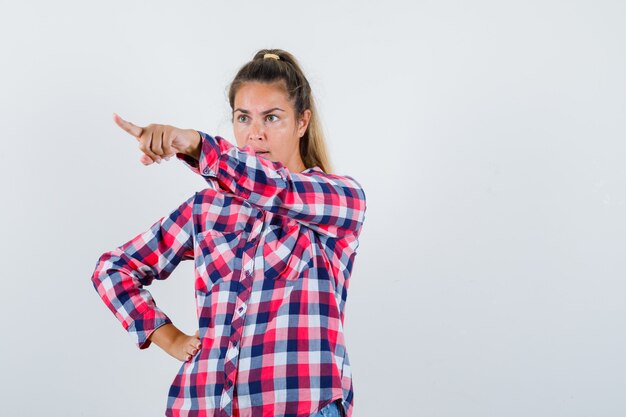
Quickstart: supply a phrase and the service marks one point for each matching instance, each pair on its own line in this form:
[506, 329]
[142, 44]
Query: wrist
[166, 336]
[195, 145]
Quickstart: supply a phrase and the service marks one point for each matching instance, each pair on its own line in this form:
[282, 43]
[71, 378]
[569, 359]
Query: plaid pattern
[273, 253]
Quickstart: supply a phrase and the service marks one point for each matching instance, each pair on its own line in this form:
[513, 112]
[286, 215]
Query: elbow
[361, 208]
[99, 275]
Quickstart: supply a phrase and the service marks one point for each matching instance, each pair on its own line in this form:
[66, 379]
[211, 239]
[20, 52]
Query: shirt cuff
[142, 327]
[208, 160]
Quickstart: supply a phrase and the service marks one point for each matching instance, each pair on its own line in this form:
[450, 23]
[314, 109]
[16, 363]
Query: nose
[257, 131]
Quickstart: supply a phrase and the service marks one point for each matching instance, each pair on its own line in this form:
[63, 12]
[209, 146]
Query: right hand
[176, 343]
[185, 347]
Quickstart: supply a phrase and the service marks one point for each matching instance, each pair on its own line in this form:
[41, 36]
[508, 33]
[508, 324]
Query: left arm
[330, 204]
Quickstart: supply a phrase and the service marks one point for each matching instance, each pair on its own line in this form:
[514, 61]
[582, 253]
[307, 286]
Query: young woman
[273, 238]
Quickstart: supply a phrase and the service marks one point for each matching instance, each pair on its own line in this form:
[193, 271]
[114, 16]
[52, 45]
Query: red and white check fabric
[273, 253]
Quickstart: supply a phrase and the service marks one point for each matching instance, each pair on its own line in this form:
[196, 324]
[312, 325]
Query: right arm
[175, 342]
[121, 275]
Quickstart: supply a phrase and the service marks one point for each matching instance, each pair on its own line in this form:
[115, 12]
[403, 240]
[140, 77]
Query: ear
[303, 122]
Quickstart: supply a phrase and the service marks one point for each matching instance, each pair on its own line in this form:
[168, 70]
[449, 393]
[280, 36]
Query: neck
[295, 164]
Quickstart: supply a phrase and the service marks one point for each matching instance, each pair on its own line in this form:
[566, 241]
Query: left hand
[159, 142]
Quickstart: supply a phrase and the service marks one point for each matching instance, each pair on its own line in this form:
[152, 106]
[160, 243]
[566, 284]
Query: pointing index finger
[127, 126]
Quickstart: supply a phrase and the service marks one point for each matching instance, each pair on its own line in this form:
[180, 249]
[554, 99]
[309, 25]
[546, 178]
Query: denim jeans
[331, 410]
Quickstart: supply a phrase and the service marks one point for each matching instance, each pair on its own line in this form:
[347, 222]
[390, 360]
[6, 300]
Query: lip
[258, 150]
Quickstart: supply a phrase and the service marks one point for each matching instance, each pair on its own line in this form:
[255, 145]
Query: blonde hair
[313, 150]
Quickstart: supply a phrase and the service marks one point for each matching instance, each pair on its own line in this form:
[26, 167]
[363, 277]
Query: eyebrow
[244, 111]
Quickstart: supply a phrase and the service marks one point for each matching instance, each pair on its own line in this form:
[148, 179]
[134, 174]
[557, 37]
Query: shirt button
[235, 343]
[240, 309]
[248, 274]
[228, 383]
[205, 171]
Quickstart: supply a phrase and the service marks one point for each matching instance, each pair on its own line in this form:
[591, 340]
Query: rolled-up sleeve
[121, 274]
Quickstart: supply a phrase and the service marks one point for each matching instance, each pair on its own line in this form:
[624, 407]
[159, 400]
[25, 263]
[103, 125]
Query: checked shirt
[273, 252]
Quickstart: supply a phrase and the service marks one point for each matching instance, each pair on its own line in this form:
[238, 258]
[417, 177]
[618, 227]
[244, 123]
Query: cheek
[240, 136]
[286, 148]
[286, 133]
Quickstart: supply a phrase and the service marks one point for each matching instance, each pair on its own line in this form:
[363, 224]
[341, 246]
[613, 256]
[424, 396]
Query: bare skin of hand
[176, 343]
[159, 142]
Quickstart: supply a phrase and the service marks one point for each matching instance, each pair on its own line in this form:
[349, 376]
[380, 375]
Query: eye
[272, 118]
[242, 118]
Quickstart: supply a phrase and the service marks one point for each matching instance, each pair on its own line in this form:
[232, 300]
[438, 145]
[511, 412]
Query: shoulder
[344, 181]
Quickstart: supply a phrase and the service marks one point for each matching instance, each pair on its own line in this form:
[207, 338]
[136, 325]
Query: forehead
[256, 96]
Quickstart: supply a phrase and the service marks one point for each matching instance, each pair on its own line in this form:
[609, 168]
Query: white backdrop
[489, 139]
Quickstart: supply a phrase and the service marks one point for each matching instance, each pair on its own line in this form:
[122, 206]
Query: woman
[273, 238]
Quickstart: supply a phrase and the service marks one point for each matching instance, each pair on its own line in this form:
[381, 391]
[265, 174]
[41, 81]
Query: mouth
[258, 152]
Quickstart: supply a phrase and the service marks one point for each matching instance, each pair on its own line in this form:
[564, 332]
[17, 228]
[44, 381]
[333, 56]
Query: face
[264, 119]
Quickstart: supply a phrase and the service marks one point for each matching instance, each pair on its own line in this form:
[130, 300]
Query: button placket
[232, 355]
